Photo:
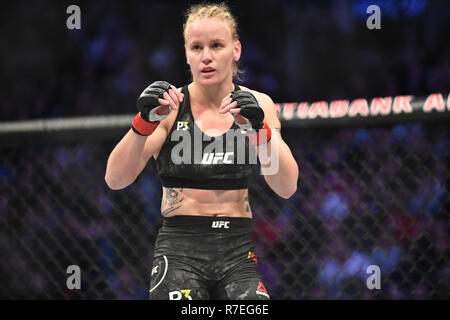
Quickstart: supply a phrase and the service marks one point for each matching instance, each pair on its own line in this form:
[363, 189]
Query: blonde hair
[219, 11]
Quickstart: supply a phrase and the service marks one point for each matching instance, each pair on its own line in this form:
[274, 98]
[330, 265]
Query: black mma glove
[148, 119]
[250, 109]
[252, 112]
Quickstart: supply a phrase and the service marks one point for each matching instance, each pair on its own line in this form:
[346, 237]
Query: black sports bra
[191, 159]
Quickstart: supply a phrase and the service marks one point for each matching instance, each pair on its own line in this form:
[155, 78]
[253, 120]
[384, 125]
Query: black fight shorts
[206, 258]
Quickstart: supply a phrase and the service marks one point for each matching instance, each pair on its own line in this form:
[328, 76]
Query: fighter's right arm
[129, 157]
[131, 154]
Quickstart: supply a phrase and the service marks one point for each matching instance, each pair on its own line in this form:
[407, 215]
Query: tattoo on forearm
[172, 201]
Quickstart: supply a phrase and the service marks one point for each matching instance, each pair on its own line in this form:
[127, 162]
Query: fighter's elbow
[115, 184]
[290, 186]
[111, 184]
[286, 193]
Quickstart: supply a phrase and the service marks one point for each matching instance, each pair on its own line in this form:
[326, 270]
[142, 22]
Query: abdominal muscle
[198, 202]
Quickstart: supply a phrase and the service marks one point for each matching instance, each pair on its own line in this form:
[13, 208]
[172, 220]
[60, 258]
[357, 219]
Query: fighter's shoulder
[264, 99]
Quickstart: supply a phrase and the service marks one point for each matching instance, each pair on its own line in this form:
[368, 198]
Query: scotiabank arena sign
[396, 108]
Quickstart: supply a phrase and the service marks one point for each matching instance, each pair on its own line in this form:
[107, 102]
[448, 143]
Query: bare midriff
[213, 203]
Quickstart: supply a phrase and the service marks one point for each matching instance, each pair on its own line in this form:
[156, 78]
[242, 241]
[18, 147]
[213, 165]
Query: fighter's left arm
[278, 165]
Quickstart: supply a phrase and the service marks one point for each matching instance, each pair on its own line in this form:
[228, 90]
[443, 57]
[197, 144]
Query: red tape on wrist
[262, 136]
[143, 127]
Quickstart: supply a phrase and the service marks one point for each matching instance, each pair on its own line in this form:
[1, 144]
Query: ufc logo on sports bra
[220, 224]
[218, 158]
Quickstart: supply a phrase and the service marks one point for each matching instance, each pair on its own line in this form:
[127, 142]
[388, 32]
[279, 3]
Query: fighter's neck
[210, 96]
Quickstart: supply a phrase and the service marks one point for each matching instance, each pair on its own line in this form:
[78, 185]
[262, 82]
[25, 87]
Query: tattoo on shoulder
[172, 201]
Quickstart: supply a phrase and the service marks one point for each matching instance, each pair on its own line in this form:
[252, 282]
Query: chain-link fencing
[367, 196]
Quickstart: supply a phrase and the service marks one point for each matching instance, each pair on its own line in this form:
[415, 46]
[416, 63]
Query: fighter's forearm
[278, 166]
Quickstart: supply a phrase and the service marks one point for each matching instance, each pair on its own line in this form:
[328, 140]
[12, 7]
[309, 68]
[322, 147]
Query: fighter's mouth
[207, 69]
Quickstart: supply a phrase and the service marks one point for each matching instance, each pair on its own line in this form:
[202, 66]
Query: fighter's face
[211, 51]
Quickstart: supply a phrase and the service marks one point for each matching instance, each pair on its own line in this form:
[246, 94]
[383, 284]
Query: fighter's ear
[237, 50]
[185, 53]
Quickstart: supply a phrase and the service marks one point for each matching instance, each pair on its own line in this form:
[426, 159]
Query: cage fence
[368, 195]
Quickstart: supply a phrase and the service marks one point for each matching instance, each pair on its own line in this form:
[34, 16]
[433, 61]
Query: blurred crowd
[292, 50]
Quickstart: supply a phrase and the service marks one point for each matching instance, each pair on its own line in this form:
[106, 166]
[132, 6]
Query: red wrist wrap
[143, 127]
[262, 136]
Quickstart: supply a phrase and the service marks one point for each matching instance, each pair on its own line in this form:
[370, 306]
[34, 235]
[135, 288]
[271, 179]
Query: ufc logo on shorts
[220, 157]
[220, 224]
[182, 125]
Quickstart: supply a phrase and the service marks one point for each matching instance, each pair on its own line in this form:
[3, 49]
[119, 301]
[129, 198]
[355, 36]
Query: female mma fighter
[203, 136]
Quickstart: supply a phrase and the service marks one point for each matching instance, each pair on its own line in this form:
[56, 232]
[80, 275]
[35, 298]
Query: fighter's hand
[157, 101]
[246, 110]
